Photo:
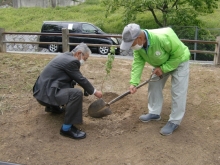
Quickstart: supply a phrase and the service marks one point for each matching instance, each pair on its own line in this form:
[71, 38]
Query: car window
[100, 30]
[72, 27]
[52, 28]
[87, 28]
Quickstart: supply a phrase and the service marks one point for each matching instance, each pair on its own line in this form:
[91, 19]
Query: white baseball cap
[129, 34]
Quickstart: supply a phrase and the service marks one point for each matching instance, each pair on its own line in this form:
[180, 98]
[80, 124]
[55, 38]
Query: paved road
[49, 53]
[117, 56]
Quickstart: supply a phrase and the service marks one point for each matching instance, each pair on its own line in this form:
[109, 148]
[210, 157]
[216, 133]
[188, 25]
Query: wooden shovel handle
[128, 92]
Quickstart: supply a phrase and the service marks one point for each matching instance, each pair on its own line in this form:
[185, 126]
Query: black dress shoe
[74, 133]
[57, 110]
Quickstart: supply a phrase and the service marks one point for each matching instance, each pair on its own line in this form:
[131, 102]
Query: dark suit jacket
[57, 75]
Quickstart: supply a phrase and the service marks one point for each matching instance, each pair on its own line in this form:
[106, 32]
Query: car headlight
[115, 40]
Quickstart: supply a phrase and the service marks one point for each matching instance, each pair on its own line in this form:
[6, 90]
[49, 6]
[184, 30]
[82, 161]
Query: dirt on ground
[29, 135]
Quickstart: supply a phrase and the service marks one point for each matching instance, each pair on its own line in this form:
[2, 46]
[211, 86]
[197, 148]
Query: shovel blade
[99, 109]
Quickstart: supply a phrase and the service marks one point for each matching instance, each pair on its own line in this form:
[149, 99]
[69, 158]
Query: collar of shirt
[148, 41]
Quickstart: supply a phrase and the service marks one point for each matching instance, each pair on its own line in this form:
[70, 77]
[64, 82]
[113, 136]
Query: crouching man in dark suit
[53, 88]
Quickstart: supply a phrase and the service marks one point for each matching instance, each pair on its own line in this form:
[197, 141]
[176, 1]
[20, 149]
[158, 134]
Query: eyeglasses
[85, 59]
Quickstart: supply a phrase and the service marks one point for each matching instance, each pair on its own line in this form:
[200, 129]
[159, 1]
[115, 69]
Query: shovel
[100, 108]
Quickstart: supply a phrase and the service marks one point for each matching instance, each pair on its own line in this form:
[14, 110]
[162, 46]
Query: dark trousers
[48, 105]
[73, 111]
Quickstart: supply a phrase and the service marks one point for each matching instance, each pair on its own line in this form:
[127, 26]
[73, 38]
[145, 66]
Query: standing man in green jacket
[162, 49]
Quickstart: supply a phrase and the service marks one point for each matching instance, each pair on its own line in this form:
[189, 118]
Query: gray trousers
[73, 110]
[179, 86]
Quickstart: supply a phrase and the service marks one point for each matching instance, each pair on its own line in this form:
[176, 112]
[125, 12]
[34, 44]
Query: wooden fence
[65, 42]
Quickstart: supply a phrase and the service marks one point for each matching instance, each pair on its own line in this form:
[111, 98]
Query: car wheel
[117, 52]
[103, 50]
[53, 48]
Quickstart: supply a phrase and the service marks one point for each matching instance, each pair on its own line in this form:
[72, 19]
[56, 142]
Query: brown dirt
[31, 136]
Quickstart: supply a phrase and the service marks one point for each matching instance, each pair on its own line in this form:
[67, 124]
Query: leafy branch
[108, 64]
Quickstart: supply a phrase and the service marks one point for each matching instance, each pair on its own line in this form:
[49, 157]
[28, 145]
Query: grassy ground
[30, 19]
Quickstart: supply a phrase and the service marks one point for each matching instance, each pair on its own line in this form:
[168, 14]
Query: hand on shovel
[132, 89]
[157, 71]
[98, 94]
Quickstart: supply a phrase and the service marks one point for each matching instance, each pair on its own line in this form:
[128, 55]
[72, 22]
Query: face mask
[137, 47]
[81, 61]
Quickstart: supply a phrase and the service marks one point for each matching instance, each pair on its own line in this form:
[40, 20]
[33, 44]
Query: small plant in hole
[108, 64]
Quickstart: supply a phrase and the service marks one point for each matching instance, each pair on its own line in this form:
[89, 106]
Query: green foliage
[92, 2]
[111, 57]
[30, 19]
[171, 11]
[108, 64]
[148, 14]
[189, 32]
[184, 17]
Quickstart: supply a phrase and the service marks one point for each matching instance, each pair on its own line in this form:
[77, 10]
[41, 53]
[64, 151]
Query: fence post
[217, 50]
[65, 40]
[195, 44]
[2, 38]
